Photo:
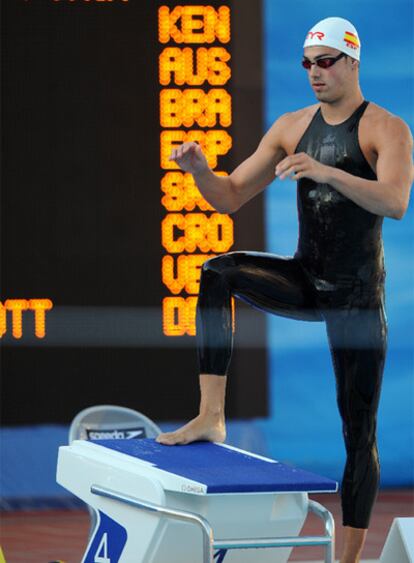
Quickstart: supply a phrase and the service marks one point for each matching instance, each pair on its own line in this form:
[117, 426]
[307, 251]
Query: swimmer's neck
[339, 110]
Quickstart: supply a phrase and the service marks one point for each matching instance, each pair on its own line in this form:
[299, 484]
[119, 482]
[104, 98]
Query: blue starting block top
[221, 468]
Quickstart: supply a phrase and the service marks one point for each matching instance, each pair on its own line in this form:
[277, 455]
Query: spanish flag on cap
[351, 39]
[337, 33]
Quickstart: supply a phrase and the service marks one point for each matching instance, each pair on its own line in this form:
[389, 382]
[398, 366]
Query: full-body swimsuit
[336, 275]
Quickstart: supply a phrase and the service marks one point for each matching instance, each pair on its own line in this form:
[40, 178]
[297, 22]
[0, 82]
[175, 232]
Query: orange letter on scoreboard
[167, 28]
[171, 62]
[196, 77]
[220, 233]
[194, 263]
[196, 227]
[3, 320]
[39, 306]
[218, 105]
[16, 306]
[169, 225]
[193, 27]
[170, 140]
[217, 143]
[183, 108]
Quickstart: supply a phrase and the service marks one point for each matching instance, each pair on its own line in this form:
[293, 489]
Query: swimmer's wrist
[203, 173]
[331, 175]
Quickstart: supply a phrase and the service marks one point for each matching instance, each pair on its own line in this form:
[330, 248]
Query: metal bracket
[209, 545]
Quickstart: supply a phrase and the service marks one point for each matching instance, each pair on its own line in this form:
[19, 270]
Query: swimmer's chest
[337, 146]
[349, 145]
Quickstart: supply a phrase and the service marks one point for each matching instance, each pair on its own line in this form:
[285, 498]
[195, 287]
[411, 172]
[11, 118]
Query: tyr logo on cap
[317, 34]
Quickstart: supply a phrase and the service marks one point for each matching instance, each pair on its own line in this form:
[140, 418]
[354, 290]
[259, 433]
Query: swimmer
[353, 166]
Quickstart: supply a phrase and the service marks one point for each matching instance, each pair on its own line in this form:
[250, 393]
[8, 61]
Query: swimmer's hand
[301, 165]
[190, 158]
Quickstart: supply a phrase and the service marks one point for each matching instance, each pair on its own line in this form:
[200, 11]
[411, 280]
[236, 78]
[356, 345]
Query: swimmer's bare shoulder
[381, 133]
[288, 129]
[377, 122]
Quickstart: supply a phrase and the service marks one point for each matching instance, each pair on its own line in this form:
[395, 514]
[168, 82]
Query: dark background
[81, 211]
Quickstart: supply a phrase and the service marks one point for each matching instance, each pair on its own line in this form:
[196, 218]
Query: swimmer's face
[332, 83]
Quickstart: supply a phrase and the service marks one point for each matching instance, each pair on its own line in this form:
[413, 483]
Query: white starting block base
[151, 511]
[400, 542]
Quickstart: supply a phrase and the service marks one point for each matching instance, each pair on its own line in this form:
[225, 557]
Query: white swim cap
[337, 33]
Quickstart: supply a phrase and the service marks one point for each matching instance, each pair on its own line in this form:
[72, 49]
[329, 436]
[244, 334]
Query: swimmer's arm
[258, 171]
[389, 195]
[228, 193]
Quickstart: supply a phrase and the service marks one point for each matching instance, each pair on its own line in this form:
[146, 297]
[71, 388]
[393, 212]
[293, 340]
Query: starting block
[199, 503]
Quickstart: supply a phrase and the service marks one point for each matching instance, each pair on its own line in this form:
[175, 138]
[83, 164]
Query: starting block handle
[208, 540]
[206, 529]
[328, 540]
[329, 523]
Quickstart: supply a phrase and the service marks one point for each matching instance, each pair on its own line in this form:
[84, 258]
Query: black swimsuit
[337, 276]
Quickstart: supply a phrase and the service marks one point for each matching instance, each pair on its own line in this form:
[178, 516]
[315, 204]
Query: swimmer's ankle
[213, 393]
[212, 411]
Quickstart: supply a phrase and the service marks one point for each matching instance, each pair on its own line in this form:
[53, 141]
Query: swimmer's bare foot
[210, 424]
[204, 427]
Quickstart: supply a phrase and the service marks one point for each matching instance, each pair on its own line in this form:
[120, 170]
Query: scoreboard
[103, 237]
[195, 105]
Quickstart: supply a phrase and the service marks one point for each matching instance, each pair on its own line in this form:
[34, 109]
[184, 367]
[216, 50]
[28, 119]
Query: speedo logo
[115, 434]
